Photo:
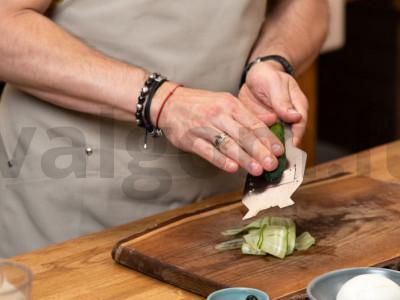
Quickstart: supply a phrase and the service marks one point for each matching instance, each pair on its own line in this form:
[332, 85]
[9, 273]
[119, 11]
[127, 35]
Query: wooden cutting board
[355, 220]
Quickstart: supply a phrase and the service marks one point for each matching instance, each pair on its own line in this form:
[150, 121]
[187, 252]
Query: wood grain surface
[83, 268]
[355, 221]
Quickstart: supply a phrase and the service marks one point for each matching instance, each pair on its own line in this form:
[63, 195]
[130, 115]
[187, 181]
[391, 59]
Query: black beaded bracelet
[279, 59]
[143, 105]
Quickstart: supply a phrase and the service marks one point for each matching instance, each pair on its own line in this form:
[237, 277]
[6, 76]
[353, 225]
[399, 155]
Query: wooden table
[83, 268]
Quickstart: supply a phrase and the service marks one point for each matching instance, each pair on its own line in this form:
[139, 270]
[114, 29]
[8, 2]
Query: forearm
[44, 60]
[295, 29]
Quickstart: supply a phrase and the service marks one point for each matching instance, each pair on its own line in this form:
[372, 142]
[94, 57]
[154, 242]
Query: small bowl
[238, 293]
[327, 286]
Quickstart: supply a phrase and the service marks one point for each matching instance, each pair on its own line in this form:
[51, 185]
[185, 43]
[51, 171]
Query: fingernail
[255, 167]
[276, 149]
[292, 111]
[269, 162]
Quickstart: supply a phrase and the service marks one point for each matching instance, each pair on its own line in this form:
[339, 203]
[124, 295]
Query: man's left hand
[272, 94]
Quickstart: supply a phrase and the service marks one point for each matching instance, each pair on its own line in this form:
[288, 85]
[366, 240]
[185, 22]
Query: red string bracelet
[165, 101]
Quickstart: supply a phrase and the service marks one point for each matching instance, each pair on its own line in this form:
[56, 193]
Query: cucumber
[274, 176]
[269, 235]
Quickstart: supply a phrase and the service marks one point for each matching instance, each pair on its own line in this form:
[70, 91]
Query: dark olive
[251, 297]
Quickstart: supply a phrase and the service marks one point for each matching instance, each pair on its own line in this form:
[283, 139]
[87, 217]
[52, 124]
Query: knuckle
[257, 126]
[249, 143]
[208, 151]
[262, 132]
[244, 159]
[220, 161]
[227, 146]
[213, 111]
[246, 135]
[208, 131]
[267, 137]
[200, 124]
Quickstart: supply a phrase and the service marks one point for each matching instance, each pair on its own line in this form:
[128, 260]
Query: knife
[259, 194]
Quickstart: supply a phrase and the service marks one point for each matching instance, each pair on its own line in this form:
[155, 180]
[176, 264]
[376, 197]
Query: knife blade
[260, 194]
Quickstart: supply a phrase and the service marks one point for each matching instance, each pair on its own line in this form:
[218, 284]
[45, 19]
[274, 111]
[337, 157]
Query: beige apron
[65, 174]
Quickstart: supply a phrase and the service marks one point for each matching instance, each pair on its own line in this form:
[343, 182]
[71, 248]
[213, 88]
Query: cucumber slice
[275, 241]
[247, 249]
[252, 238]
[304, 241]
[291, 228]
[257, 224]
[230, 245]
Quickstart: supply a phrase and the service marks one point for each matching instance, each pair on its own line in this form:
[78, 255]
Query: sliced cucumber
[269, 235]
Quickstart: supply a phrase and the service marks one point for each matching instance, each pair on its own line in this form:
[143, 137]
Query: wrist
[158, 100]
[285, 65]
[277, 49]
[261, 67]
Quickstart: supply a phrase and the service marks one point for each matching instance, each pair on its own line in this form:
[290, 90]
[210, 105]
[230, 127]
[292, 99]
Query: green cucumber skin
[273, 176]
[279, 130]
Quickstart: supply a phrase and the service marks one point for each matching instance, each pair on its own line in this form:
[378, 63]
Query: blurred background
[352, 88]
[358, 98]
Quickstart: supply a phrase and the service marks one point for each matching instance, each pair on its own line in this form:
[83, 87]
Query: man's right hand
[192, 119]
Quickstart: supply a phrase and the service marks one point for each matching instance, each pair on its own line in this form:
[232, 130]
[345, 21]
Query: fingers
[231, 149]
[262, 132]
[280, 92]
[248, 140]
[207, 151]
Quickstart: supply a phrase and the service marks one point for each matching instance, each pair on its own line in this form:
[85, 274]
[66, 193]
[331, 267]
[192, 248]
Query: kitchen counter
[83, 268]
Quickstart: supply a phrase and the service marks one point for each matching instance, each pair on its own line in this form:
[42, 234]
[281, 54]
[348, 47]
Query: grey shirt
[65, 174]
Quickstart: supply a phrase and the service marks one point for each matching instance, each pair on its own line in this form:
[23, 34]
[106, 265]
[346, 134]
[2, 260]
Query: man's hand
[192, 119]
[272, 94]
[295, 30]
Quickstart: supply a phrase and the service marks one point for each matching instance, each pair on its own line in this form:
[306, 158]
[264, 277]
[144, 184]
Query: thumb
[281, 100]
[263, 111]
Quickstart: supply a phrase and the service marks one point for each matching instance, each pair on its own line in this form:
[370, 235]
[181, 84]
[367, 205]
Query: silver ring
[219, 140]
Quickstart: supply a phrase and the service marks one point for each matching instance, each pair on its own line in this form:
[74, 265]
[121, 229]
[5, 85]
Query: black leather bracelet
[150, 128]
[143, 105]
[279, 59]
[144, 92]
